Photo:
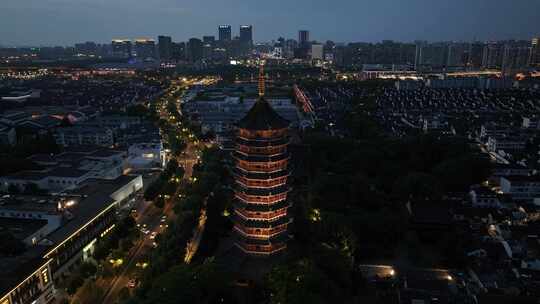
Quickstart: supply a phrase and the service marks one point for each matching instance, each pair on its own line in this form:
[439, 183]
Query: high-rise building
[534, 57]
[290, 46]
[457, 54]
[209, 40]
[207, 51]
[515, 56]
[245, 41]
[261, 206]
[121, 48]
[225, 33]
[475, 55]
[304, 47]
[303, 38]
[431, 54]
[418, 54]
[179, 51]
[165, 47]
[194, 50]
[145, 48]
[317, 51]
[246, 35]
[492, 57]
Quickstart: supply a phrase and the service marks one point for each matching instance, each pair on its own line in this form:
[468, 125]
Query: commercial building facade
[225, 33]
[86, 215]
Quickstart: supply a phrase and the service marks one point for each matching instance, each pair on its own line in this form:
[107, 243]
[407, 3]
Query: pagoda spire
[261, 80]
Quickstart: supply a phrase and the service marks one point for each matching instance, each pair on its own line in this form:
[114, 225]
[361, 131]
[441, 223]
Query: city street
[150, 217]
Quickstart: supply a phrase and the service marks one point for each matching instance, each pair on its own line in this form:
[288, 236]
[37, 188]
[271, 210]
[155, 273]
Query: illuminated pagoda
[261, 218]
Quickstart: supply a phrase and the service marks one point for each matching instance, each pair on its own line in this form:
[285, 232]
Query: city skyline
[84, 20]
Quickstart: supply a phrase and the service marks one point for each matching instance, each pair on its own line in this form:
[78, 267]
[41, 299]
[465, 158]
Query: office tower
[165, 47]
[194, 50]
[475, 55]
[207, 51]
[418, 54]
[225, 33]
[145, 48]
[317, 51]
[211, 40]
[515, 55]
[457, 54]
[121, 48]
[329, 50]
[492, 57]
[534, 57]
[290, 46]
[303, 38]
[244, 44]
[302, 52]
[431, 54]
[261, 174]
[246, 35]
[179, 51]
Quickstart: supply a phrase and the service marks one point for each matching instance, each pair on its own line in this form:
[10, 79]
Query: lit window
[45, 275]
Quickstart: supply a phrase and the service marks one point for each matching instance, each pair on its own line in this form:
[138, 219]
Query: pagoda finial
[261, 79]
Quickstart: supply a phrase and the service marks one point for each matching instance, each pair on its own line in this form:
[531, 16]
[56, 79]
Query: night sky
[64, 22]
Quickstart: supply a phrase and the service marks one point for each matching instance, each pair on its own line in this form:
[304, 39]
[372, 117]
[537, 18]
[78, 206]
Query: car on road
[132, 283]
[153, 235]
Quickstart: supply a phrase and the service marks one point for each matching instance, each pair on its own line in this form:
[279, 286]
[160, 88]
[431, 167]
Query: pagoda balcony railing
[262, 142]
[241, 171]
[252, 215]
[238, 172]
[257, 183]
[260, 232]
[262, 166]
[260, 158]
[270, 150]
[261, 134]
[261, 249]
[268, 199]
[240, 204]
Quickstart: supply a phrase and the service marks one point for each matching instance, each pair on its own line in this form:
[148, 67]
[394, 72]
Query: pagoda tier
[261, 211]
[241, 205]
[260, 229]
[261, 176]
[262, 215]
[261, 191]
[282, 238]
[256, 247]
[260, 183]
[261, 158]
